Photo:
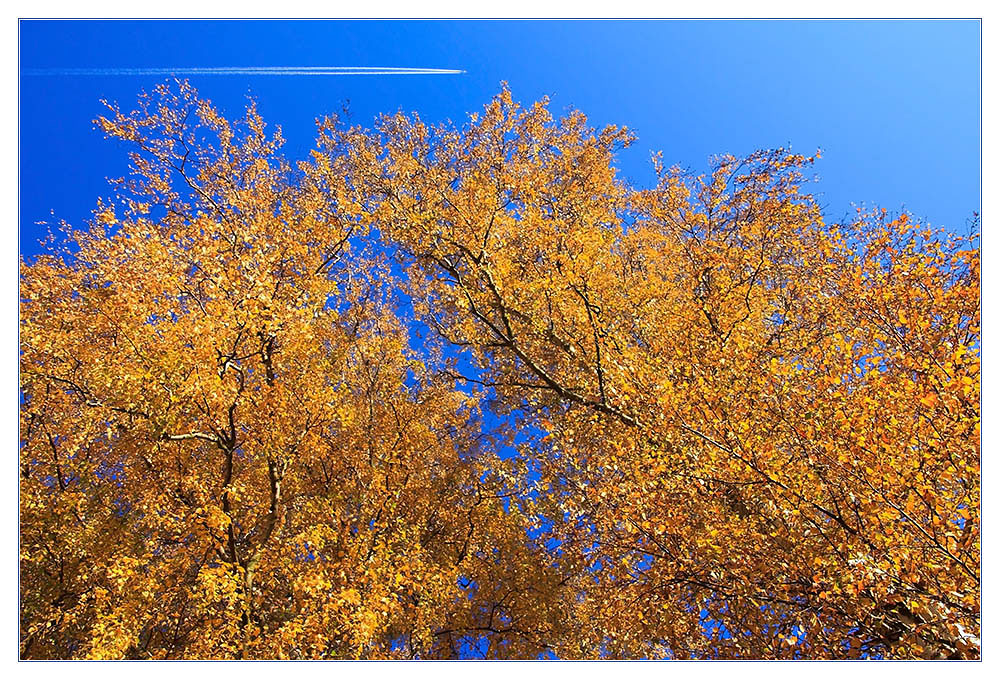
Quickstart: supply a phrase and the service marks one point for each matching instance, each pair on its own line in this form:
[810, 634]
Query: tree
[742, 431]
[228, 449]
[762, 430]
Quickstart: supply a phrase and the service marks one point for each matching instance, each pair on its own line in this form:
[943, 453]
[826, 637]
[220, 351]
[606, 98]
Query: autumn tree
[760, 430]
[742, 431]
[228, 448]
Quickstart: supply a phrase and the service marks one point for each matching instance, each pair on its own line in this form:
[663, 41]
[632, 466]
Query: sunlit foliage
[742, 431]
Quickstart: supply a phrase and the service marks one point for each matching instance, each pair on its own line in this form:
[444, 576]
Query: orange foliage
[753, 434]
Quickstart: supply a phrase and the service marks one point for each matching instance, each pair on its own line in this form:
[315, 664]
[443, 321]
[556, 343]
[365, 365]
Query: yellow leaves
[350, 596]
[216, 520]
[106, 216]
[731, 396]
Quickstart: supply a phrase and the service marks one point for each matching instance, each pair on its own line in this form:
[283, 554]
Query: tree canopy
[438, 391]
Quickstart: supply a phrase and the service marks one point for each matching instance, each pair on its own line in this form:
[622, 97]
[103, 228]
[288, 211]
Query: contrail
[246, 71]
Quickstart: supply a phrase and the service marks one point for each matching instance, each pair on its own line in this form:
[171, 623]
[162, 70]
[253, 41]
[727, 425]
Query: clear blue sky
[895, 105]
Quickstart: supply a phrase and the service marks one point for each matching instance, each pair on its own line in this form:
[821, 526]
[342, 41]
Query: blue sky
[895, 105]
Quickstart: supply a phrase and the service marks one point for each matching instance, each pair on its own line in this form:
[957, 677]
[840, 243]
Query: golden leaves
[792, 360]
[741, 431]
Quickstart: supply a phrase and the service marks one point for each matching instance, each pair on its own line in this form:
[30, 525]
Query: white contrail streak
[246, 71]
